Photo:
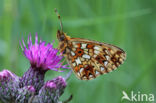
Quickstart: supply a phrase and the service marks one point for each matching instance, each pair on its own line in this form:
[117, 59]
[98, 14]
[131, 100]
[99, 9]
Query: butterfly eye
[62, 38]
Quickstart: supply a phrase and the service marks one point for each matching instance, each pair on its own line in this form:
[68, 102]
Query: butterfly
[87, 58]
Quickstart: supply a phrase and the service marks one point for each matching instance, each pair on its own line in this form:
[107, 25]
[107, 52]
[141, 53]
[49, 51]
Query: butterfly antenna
[58, 15]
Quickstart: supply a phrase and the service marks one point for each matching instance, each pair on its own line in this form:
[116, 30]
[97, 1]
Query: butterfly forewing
[90, 59]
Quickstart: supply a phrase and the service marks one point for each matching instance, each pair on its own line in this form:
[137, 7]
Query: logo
[137, 96]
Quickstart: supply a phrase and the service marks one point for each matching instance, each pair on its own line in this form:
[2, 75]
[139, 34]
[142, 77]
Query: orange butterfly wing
[90, 59]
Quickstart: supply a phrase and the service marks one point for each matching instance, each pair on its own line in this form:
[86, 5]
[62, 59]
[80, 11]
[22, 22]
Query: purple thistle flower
[6, 75]
[42, 58]
[30, 88]
[56, 88]
[8, 82]
[41, 55]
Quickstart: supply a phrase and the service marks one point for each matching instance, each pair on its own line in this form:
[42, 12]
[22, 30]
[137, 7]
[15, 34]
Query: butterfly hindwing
[90, 59]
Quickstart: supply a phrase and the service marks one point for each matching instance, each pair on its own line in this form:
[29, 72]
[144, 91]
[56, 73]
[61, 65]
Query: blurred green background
[129, 24]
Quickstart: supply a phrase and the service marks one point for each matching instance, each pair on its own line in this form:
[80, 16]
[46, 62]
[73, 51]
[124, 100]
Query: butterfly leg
[60, 66]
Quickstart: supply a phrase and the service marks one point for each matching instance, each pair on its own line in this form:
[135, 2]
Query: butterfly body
[89, 59]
